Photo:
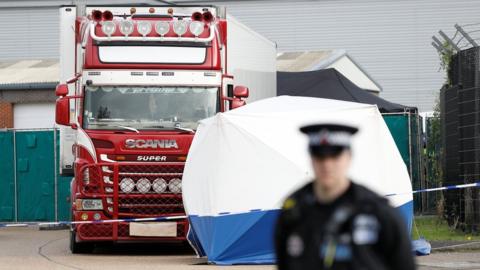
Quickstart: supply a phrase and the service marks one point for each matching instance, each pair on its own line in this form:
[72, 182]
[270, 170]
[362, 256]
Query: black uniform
[359, 230]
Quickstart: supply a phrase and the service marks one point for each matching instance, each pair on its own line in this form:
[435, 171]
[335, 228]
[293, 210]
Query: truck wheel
[79, 248]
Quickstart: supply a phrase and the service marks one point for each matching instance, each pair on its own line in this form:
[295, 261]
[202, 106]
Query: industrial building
[390, 39]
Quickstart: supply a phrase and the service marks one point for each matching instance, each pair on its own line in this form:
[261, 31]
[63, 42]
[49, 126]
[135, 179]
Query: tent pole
[410, 146]
[55, 171]
[15, 175]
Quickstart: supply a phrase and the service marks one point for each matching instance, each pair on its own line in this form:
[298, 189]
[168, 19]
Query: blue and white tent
[242, 165]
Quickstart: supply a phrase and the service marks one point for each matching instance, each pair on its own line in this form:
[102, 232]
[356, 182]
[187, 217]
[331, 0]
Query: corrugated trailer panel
[252, 60]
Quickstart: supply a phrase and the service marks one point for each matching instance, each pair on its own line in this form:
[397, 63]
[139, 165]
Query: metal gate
[30, 187]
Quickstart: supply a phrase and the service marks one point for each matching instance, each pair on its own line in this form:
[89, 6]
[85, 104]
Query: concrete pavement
[29, 248]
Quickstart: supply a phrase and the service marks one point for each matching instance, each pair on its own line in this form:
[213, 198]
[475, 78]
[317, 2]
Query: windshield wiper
[177, 128]
[117, 126]
[124, 127]
[185, 129]
[129, 128]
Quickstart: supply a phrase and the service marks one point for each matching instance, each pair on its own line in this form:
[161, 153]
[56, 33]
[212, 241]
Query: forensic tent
[329, 83]
[243, 163]
[402, 121]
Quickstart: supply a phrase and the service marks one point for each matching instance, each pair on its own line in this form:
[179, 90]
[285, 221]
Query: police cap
[328, 139]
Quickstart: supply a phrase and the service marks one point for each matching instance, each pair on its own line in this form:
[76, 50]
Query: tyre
[78, 247]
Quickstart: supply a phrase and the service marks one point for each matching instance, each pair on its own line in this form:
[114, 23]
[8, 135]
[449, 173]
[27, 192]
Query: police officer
[333, 223]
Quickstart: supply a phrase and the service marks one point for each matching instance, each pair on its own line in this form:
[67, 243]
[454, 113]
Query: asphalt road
[29, 248]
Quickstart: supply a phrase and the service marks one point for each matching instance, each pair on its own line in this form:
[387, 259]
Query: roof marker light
[96, 15]
[107, 15]
[196, 28]
[144, 28]
[126, 27]
[151, 10]
[108, 28]
[208, 16]
[133, 10]
[180, 27]
[197, 16]
[162, 28]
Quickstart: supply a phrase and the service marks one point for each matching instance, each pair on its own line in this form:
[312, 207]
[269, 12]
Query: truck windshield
[139, 107]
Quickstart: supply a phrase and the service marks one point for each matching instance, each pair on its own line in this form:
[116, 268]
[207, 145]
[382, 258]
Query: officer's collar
[310, 198]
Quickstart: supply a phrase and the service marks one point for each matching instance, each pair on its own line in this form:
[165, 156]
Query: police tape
[59, 223]
[477, 184]
[4, 225]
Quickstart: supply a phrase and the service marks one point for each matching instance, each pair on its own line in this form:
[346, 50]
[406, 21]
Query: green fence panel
[63, 203]
[405, 131]
[35, 175]
[63, 188]
[7, 180]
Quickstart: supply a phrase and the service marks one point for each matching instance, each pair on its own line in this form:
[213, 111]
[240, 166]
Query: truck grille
[138, 196]
[158, 205]
[143, 200]
[104, 181]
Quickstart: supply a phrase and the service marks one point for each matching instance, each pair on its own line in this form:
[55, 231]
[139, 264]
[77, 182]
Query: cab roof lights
[127, 27]
[96, 15]
[107, 15]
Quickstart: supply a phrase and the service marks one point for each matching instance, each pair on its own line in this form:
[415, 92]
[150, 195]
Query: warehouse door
[35, 171]
[44, 115]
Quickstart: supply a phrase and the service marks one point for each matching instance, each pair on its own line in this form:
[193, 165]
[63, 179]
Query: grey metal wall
[28, 32]
[389, 38]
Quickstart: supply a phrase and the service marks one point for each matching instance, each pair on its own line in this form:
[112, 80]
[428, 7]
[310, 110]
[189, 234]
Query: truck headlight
[144, 28]
[108, 28]
[162, 28]
[159, 185]
[107, 180]
[86, 176]
[143, 185]
[196, 28]
[126, 27]
[180, 27]
[175, 185]
[127, 185]
[92, 204]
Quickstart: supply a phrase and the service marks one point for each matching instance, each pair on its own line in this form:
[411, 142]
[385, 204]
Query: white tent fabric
[250, 159]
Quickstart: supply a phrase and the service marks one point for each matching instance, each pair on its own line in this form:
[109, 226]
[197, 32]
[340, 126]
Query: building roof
[317, 60]
[29, 74]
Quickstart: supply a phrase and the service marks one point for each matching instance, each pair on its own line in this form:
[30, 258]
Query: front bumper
[120, 232]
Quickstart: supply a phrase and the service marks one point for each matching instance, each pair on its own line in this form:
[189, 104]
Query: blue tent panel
[245, 238]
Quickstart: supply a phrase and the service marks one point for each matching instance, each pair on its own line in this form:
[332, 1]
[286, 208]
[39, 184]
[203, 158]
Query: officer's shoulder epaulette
[297, 198]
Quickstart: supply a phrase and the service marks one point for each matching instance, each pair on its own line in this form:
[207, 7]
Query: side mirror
[236, 103]
[240, 91]
[61, 90]
[62, 111]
